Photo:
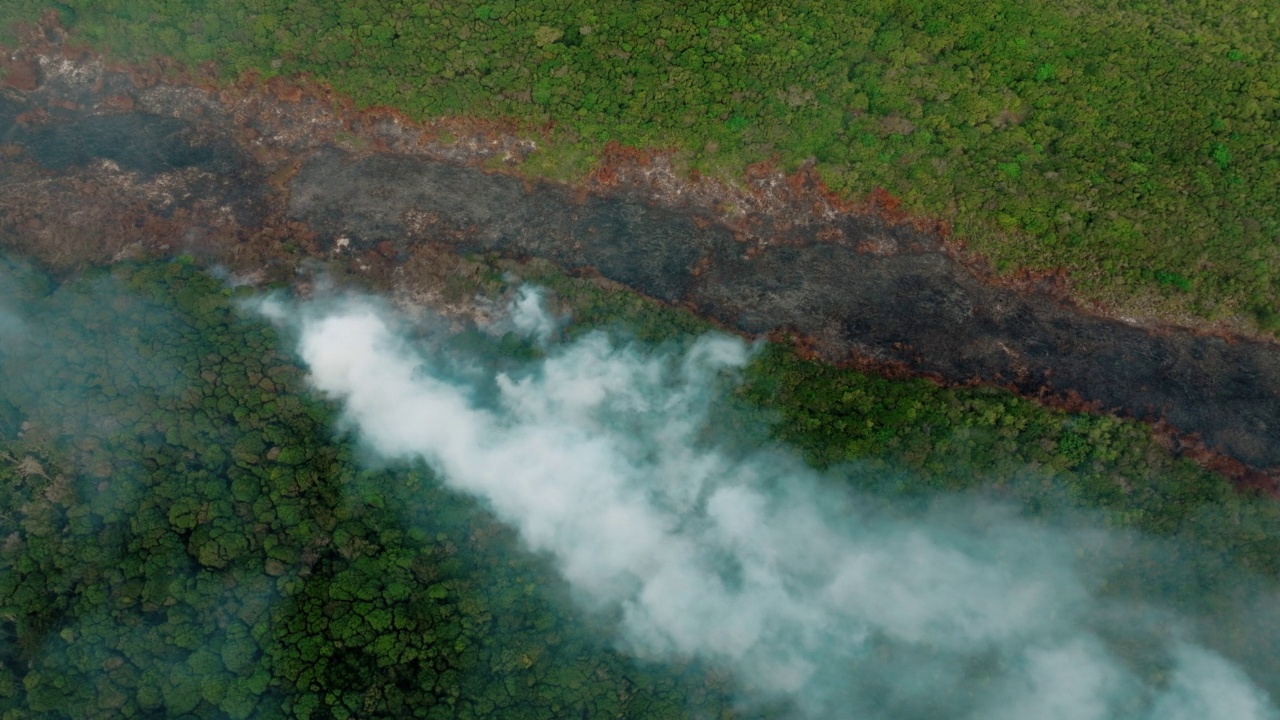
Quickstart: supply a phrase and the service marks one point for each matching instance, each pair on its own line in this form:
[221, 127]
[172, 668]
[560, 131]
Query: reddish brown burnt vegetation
[19, 74]
[1191, 446]
[615, 162]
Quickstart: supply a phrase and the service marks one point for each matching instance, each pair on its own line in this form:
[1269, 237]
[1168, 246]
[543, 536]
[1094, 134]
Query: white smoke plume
[596, 455]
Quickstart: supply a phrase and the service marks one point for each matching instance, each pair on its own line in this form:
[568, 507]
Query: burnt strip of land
[172, 162]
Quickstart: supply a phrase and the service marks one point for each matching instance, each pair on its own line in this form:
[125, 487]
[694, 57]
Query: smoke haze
[598, 455]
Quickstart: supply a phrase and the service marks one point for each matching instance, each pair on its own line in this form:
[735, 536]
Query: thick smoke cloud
[597, 455]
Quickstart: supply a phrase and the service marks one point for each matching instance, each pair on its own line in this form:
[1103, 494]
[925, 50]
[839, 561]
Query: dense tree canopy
[183, 535]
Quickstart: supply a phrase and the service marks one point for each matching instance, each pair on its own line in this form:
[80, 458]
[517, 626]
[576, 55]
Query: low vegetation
[1130, 144]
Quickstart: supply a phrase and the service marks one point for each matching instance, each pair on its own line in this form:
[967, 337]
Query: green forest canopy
[1132, 143]
[183, 532]
[183, 536]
